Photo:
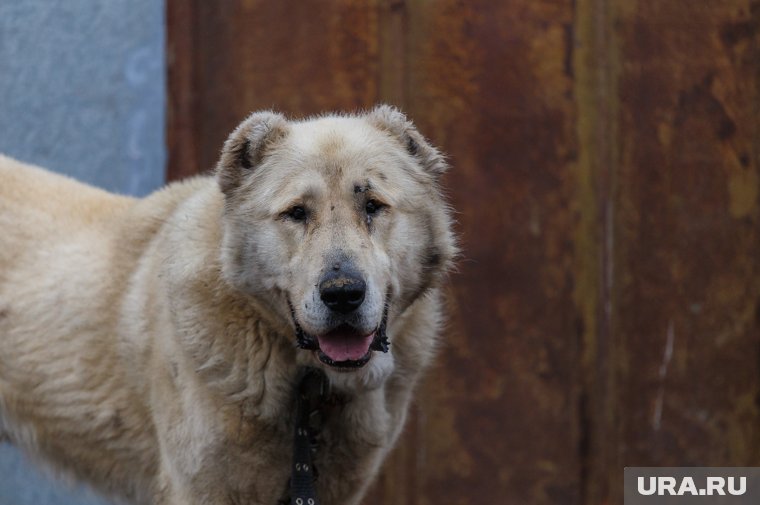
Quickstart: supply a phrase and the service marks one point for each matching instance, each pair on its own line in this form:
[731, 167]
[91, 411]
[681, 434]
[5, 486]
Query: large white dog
[154, 347]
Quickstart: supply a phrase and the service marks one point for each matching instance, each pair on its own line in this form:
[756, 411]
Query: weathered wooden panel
[303, 57]
[492, 82]
[687, 276]
[183, 91]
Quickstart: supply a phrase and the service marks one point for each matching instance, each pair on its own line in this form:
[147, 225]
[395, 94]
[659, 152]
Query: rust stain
[597, 68]
[492, 89]
[743, 186]
[689, 232]
[300, 60]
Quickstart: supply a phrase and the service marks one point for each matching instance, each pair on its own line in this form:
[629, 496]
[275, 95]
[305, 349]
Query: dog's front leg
[189, 474]
[215, 486]
[176, 493]
[211, 454]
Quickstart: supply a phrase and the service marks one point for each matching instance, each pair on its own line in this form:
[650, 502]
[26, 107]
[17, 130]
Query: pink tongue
[341, 345]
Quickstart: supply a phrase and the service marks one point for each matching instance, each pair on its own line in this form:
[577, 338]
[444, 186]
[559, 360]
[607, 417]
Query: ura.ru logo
[670, 486]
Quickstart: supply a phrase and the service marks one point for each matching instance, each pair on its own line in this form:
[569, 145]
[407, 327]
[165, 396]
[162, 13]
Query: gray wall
[82, 89]
[82, 93]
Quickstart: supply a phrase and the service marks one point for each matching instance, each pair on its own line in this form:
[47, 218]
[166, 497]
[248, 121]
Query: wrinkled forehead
[333, 156]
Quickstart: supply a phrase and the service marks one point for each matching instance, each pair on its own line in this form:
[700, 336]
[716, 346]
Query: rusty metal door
[605, 173]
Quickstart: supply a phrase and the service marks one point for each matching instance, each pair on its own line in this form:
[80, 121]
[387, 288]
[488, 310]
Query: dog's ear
[247, 146]
[392, 120]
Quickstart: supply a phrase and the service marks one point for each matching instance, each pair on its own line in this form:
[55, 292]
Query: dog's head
[336, 223]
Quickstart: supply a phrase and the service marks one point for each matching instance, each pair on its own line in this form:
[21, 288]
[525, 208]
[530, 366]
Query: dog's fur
[147, 346]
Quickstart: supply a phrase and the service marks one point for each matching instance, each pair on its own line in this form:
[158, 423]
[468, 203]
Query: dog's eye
[373, 207]
[296, 213]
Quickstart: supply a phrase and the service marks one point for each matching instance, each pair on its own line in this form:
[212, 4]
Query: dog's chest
[347, 448]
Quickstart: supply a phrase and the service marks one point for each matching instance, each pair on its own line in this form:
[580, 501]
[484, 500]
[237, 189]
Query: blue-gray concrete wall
[82, 89]
[81, 92]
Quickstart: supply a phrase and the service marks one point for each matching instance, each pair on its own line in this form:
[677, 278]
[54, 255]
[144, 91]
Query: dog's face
[337, 224]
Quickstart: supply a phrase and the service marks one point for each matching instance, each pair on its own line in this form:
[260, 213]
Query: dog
[152, 347]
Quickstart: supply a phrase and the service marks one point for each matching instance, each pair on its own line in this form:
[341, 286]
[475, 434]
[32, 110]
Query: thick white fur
[146, 346]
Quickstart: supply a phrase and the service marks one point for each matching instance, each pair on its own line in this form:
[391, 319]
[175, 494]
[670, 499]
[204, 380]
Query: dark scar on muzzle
[362, 189]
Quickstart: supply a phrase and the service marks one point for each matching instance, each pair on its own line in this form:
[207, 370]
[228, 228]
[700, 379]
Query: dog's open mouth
[344, 347]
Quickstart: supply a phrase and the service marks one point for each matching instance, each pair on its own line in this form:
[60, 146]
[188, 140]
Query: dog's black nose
[342, 292]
